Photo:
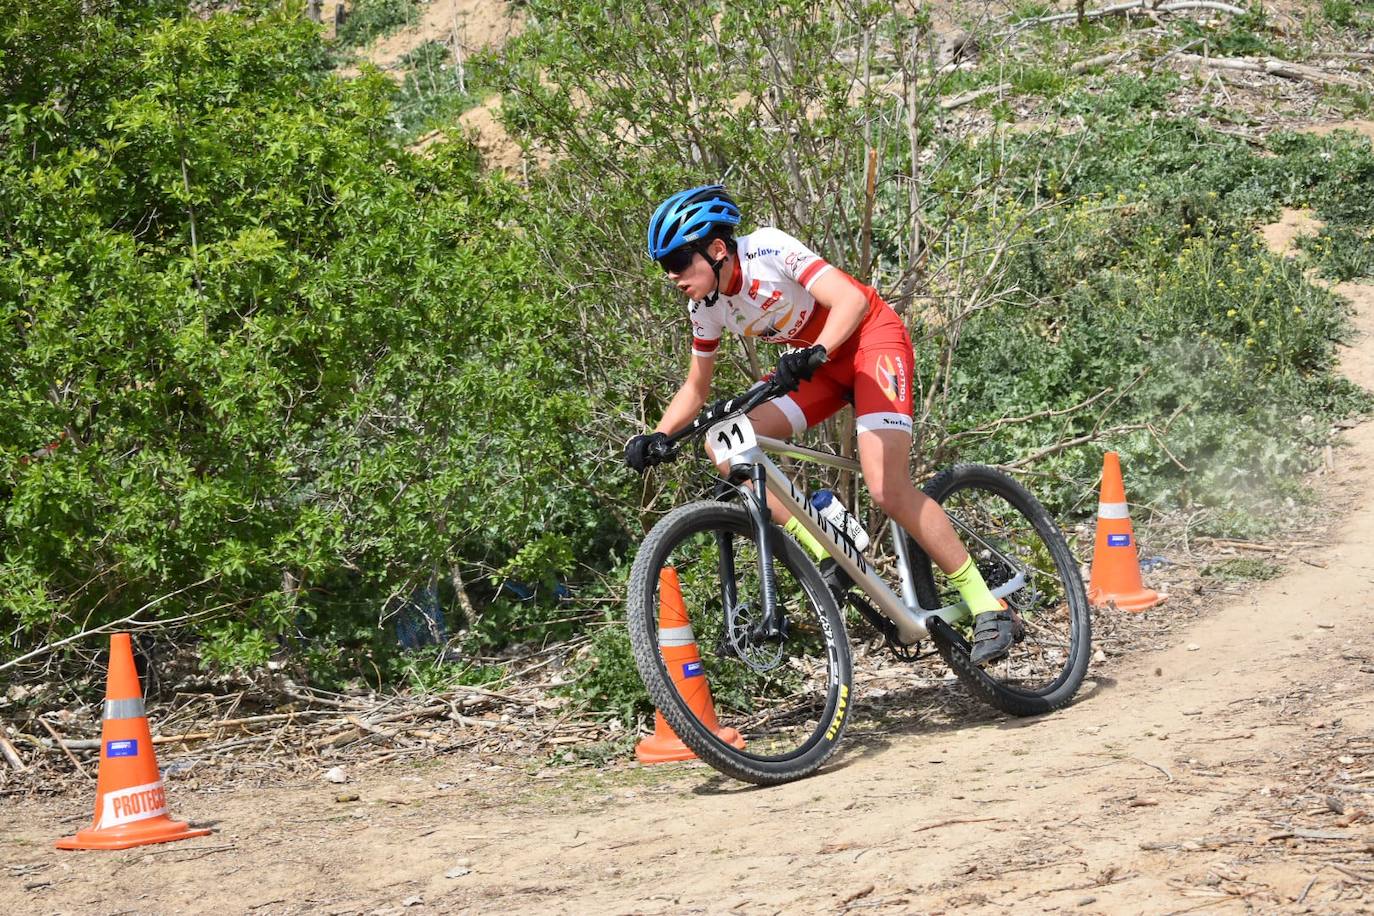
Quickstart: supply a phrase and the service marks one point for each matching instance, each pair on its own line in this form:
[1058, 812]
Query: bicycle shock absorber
[768, 582]
[770, 625]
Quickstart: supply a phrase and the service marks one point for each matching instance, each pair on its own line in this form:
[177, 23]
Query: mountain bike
[766, 630]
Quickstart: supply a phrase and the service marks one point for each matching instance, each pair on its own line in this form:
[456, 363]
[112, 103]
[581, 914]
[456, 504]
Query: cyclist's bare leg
[885, 456]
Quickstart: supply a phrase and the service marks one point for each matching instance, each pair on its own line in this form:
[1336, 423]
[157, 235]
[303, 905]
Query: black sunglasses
[679, 259]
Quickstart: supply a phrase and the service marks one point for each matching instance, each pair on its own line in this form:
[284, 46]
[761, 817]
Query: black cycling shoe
[836, 578]
[993, 635]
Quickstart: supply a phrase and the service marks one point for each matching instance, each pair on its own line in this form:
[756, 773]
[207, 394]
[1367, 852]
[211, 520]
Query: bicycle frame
[906, 613]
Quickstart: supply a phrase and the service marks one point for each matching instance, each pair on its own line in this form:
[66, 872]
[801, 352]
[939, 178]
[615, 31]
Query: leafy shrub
[1341, 253]
[295, 372]
[607, 680]
[1147, 282]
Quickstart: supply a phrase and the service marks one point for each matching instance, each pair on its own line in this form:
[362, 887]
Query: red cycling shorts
[871, 370]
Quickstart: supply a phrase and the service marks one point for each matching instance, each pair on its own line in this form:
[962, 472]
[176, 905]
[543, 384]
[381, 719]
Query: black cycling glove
[646, 450]
[797, 366]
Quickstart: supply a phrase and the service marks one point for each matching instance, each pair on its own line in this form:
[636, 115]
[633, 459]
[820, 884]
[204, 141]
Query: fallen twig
[950, 823]
[1137, 6]
[1299, 833]
[1273, 67]
[957, 101]
[1351, 872]
[10, 754]
[80, 768]
[1113, 57]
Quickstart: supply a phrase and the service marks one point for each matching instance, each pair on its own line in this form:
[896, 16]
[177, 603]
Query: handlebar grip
[818, 357]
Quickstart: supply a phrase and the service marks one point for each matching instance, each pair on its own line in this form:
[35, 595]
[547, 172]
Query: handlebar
[730, 407]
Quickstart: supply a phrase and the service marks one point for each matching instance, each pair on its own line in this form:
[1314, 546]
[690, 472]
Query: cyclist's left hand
[798, 366]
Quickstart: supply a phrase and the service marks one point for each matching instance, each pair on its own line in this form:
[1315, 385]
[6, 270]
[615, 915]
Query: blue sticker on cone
[1118, 540]
[693, 669]
[126, 748]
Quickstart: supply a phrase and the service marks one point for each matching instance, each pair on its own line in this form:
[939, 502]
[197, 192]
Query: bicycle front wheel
[1012, 539]
[763, 701]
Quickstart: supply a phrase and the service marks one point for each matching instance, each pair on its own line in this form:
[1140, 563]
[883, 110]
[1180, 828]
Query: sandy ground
[1229, 773]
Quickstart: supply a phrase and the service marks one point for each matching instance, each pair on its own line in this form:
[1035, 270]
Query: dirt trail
[1226, 774]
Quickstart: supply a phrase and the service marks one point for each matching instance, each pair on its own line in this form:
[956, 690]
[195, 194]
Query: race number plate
[731, 438]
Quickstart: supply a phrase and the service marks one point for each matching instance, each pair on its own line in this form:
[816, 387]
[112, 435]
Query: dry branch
[9, 752]
[1136, 6]
[1200, 5]
[1112, 57]
[1273, 67]
[949, 103]
[132, 622]
[58, 738]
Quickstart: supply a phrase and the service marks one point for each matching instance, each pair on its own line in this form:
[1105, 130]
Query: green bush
[1146, 279]
[607, 680]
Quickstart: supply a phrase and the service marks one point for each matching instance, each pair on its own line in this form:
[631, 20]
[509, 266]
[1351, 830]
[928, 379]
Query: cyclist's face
[697, 280]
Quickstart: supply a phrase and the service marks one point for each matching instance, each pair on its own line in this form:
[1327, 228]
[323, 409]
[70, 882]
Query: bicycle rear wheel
[1010, 535]
[781, 700]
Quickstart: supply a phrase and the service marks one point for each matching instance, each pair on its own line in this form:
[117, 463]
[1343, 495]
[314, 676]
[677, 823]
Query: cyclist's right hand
[798, 366]
[646, 450]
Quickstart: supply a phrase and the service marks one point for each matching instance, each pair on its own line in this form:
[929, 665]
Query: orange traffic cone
[1116, 566]
[130, 804]
[680, 655]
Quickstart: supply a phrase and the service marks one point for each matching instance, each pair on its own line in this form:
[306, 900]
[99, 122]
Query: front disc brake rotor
[744, 624]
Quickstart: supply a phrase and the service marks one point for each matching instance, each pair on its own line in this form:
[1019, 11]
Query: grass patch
[1044, 81]
[598, 753]
[1341, 252]
[1349, 101]
[1237, 36]
[607, 680]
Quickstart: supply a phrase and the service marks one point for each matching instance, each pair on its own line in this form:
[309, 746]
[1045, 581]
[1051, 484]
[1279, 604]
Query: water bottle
[829, 507]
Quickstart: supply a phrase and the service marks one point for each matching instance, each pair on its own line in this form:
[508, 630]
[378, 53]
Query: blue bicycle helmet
[689, 216]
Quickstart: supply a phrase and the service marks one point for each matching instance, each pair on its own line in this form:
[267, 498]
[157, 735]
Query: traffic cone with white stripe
[130, 803]
[1115, 575]
[678, 645]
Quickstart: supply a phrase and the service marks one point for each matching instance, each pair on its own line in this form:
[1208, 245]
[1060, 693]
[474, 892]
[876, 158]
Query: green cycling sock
[969, 581]
[806, 539]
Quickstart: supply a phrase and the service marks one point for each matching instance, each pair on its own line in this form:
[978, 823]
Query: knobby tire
[750, 764]
[1007, 696]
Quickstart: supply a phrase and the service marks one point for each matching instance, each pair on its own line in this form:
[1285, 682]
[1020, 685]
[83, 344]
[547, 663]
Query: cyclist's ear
[717, 249]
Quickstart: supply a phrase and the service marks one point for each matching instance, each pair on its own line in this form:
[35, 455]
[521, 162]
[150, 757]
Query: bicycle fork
[772, 621]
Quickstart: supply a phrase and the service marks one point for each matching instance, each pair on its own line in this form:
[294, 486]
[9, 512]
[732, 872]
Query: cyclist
[767, 284]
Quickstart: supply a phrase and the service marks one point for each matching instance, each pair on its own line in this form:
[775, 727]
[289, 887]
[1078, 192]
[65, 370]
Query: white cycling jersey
[770, 296]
